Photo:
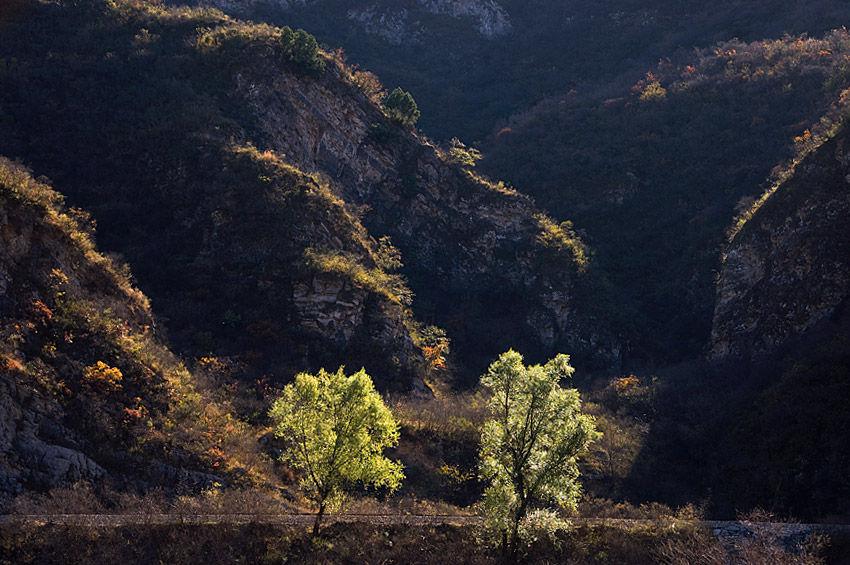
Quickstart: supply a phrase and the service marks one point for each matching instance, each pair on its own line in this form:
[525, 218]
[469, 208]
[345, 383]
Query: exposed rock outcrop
[787, 272]
[492, 19]
[35, 449]
[459, 235]
[332, 307]
[393, 23]
[393, 26]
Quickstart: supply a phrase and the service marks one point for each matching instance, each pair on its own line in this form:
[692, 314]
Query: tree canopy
[529, 448]
[302, 49]
[401, 107]
[338, 427]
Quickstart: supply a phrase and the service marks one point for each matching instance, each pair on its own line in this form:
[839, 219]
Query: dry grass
[404, 506]
[82, 499]
[446, 413]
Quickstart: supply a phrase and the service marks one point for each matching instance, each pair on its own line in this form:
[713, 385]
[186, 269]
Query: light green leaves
[338, 427]
[529, 449]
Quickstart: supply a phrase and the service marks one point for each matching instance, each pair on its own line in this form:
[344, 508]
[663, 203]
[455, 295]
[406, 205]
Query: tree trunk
[318, 519]
[514, 547]
[514, 539]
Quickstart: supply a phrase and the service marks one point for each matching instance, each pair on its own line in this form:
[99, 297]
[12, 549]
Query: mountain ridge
[228, 125]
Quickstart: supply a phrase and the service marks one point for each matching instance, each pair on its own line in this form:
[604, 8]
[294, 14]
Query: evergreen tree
[401, 107]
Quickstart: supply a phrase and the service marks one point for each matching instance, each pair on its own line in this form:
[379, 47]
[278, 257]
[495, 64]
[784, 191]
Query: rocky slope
[462, 238]
[786, 273]
[245, 255]
[629, 171]
[393, 23]
[267, 185]
[86, 390]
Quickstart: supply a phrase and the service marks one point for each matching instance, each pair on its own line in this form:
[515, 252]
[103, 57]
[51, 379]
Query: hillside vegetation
[89, 391]
[219, 233]
[251, 161]
[473, 64]
[653, 175]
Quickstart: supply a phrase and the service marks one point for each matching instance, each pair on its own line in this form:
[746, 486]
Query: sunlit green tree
[529, 447]
[338, 427]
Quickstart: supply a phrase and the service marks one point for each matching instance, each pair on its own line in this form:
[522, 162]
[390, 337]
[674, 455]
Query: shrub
[462, 155]
[301, 48]
[102, 378]
[401, 107]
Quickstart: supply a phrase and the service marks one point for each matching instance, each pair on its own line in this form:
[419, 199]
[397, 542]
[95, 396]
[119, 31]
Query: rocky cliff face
[786, 274]
[459, 235]
[396, 22]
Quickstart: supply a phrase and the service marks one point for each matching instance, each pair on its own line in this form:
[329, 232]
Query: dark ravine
[773, 409]
[761, 420]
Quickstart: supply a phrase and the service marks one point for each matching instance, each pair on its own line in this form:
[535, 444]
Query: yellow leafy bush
[100, 377]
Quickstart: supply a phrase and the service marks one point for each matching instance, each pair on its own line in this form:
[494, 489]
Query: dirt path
[719, 528]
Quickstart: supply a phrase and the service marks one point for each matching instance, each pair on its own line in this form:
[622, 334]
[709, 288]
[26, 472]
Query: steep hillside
[786, 272]
[87, 393]
[472, 63]
[235, 169]
[653, 174]
[766, 422]
[463, 239]
[781, 310]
